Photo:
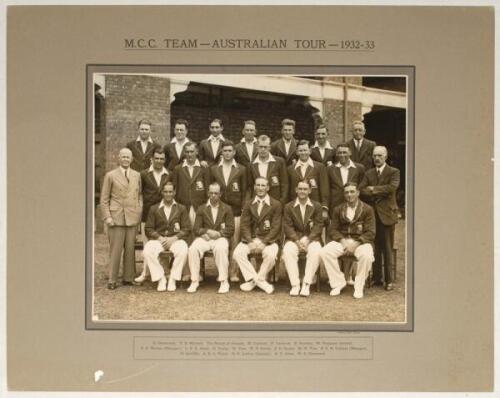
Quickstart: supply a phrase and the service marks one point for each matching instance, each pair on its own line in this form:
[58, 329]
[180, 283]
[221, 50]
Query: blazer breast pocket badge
[275, 181]
[359, 228]
[177, 227]
[223, 226]
[199, 185]
[312, 181]
[267, 225]
[236, 187]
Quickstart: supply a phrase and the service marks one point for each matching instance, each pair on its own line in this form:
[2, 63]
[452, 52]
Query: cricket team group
[288, 198]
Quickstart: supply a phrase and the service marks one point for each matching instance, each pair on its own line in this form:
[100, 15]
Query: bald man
[121, 206]
[379, 188]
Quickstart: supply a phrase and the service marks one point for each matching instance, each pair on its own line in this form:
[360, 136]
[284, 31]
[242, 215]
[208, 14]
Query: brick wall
[129, 99]
[333, 116]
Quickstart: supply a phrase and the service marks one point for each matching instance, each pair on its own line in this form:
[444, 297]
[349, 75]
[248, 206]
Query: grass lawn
[145, 303]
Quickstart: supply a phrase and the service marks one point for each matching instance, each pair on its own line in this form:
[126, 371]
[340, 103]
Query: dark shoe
[389, 287]
[127, 283]
[111, 285]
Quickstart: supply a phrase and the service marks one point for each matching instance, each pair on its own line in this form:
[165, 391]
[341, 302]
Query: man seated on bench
[260, 233]
[303, 225]
[352, 232]
[213, 228]
[168, 227]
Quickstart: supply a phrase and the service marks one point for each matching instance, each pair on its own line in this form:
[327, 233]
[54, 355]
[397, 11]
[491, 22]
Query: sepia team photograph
[225, 200]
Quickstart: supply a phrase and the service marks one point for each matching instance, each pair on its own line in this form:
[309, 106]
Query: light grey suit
[121, 200]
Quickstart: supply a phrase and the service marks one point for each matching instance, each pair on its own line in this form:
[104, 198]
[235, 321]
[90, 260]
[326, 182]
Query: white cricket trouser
[152, 250]
[290, 257]
[269, 255]
[364, 257]
[220, 248]
[192, 215]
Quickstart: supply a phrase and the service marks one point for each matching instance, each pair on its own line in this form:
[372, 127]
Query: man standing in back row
[285, 147]
[142, 147]
[361, 148]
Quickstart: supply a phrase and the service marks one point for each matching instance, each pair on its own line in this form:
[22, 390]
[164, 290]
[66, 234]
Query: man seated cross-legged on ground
[167, 228]
[352, 232]
[303, 224]
[260, 233]
[213, 228]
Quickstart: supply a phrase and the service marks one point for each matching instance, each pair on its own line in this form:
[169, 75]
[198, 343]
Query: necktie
[259, 207]
[379, 172]
[126, 175]
[358, 145]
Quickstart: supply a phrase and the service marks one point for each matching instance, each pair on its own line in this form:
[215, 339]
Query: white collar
[148, 140]
[381, 168]
[308, 203]
[233, 163]
[162, 204]
[245, 141]
[163, 170]
[351, 164]
[269, 159]
[267, 200]
[218, 138]
[174, 140]
[210, 204]
[327, 145]
[123, 170]
[196, 163]
[360, 140]
[300, 163]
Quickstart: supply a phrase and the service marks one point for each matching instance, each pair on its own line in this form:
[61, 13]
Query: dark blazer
[224, 223]
[317, 178]
[337, 186]
[295, 228]
[364, 155]
[266, 227]
[242, 156]
[191, 191]
[141, 160]
[178, 223]
[277, 176]
[151, 191]
[171, 158]
[361, 228]
[278, 149]
[329, 158]
[235, 192]
[383, 198]
[206, 153]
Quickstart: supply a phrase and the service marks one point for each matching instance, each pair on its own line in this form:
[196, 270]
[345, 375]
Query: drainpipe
[345, 109]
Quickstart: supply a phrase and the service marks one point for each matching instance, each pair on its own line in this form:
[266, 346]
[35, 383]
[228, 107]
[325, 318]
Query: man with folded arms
[352, 232]
[213, 227]
[303, 224]
[260, 233]
[167, 228]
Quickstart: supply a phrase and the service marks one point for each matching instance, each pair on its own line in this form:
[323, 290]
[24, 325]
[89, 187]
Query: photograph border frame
[342, 70]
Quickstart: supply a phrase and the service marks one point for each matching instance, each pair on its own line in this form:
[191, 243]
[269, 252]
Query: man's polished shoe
[162, 284]
[111, 285]
[305, 291]
[336, 291]
[358, 293]
[193, 287]
[248, 286]
[294, 291]
[265, 285]
[224, 287]
[389, 287]
[127, 283]
[171, 285]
